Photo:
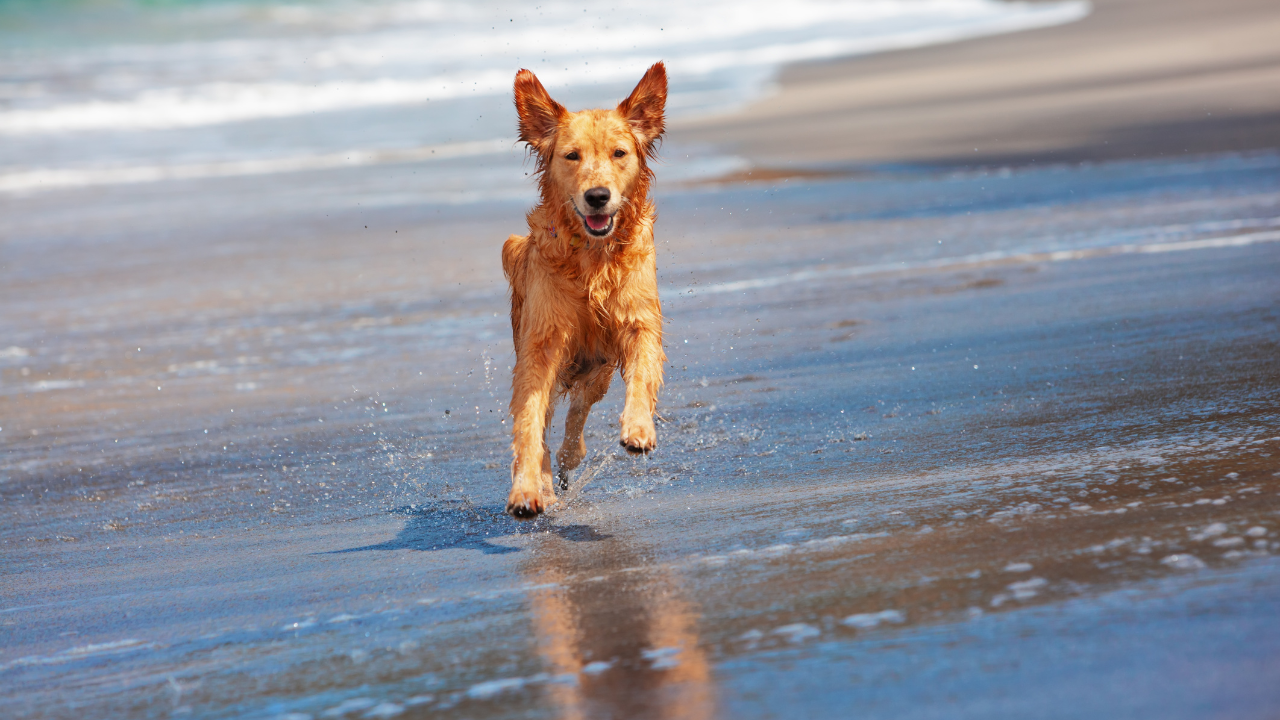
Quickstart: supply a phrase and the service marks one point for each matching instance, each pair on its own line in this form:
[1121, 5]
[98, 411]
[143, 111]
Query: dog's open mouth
[598, 225]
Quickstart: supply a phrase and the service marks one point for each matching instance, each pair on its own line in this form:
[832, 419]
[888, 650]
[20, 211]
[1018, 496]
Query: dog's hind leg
[548, 486]
[586, 392]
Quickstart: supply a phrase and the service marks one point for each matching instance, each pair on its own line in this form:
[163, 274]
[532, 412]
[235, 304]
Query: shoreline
[1134, 79]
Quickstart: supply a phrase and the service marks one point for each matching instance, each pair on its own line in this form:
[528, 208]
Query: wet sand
[935, 442]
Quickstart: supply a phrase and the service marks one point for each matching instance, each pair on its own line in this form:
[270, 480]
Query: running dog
[584, 282]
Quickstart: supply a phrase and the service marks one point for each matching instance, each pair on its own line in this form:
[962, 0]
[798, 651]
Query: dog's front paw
[526, 504]
[639, 437]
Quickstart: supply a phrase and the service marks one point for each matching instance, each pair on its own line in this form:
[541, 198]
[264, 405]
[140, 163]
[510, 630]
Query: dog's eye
[619, 153]
[572, 156]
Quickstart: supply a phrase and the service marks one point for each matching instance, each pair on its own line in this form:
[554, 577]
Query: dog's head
[596, 160]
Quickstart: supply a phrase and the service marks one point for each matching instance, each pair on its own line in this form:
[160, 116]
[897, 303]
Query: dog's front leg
[642, 359]
[537, 366]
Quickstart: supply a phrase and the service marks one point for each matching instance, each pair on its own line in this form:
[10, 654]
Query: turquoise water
[64, 24]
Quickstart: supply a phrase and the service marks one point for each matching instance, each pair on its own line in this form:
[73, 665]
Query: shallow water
[109, 93]
[985, 444]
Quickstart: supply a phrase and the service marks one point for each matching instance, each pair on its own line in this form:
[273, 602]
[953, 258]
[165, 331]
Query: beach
[1136, 78]
[970, 411]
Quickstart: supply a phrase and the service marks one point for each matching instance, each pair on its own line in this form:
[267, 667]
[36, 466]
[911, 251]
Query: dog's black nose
[596, 197]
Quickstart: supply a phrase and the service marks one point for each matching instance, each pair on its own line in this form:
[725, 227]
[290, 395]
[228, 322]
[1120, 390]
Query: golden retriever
[584, 282]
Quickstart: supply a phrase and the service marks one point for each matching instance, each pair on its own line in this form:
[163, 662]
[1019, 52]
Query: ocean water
[102, 92]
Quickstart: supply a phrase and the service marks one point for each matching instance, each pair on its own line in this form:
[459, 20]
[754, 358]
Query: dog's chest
[600, 279]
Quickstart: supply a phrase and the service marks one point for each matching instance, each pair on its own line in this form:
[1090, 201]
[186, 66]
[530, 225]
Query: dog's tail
[514, 252]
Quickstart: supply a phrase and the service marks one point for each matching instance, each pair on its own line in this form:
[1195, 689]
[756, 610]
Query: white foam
[725, 48]
[797, 632]
[493, 688]
[41, 179]
[1210, 531]
[47, 385]
[662, 658]
[977, 259]
[81, 652]
[349, 706]
[1183, 562]
[1026, 589]
[866, 621]
[385, 710]
[218, 103]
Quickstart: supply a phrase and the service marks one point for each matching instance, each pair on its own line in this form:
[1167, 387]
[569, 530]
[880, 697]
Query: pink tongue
[597, 222]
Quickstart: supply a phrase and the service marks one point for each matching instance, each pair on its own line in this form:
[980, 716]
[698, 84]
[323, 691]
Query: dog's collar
[575, 240]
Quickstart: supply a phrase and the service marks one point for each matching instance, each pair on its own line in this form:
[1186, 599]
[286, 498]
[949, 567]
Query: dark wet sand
[1135, 78]
[934, 444]
[867, 412]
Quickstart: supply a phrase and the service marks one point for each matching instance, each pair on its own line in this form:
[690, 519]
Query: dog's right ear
[539, 114]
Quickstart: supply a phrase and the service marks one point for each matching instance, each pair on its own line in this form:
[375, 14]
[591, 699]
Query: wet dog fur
[584, 285]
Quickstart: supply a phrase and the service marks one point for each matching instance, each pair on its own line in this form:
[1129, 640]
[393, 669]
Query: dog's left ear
[643, 108]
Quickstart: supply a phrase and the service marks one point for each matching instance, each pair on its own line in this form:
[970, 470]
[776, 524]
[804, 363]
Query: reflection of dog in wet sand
[584, 285]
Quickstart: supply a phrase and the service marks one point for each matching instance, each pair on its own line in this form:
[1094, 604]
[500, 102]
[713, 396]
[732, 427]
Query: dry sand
[1136, 78]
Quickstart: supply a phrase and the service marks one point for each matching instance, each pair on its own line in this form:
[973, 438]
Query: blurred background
[971, 405]
[101, 92]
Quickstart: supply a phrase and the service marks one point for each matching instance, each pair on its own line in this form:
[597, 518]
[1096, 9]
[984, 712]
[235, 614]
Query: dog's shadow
[462, 526]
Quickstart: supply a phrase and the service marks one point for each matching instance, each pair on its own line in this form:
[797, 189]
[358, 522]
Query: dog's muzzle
[597, 221]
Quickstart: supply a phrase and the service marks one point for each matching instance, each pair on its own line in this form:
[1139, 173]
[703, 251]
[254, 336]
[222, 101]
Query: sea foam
[715, 51]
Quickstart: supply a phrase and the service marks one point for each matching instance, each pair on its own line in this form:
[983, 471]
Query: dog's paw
[639, 437]
[570, 455]
[525, 505]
